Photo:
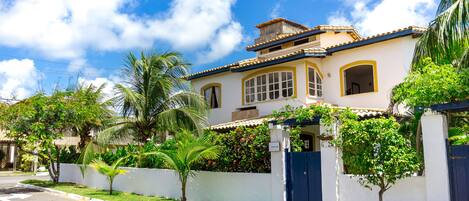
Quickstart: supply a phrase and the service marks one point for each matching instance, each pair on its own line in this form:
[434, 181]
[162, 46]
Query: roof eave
[200, 75]
[373, 40]
[277, 61]
[285, 40]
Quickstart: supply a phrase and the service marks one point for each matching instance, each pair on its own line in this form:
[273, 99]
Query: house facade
[297, 65]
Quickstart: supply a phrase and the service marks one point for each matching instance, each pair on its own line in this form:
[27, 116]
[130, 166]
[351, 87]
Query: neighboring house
[9, 153]
[298, 66]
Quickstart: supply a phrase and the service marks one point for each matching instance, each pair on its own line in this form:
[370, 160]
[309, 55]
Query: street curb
[57, 192]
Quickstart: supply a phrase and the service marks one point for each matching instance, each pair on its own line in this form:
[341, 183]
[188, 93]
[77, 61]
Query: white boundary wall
[434, 186]
[206, 186]
[412, 188]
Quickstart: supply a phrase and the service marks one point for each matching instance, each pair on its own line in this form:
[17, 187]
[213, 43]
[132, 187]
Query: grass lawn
[94, 193]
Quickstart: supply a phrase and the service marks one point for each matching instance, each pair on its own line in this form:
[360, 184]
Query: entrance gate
[303, 171]
[458, 167]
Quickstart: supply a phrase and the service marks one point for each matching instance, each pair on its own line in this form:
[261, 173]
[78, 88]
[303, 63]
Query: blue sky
[48, 44]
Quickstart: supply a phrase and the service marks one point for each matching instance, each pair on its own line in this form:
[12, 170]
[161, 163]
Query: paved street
[8, 191]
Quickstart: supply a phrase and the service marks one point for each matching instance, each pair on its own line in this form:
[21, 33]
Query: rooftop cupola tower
[277, 27]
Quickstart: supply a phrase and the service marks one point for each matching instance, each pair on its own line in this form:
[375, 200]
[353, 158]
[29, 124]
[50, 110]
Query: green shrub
[69, 155]
[241, 150]
[137, 156]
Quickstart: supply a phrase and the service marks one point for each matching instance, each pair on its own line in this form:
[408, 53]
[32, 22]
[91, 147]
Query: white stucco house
[299, 65]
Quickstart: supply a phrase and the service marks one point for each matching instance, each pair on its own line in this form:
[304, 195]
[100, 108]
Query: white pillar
[435, 133]
[277, 158]
[330, 165]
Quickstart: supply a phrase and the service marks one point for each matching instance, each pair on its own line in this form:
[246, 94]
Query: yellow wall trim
[215, 84]
[269, 70]
[357, 63]
[316, 68]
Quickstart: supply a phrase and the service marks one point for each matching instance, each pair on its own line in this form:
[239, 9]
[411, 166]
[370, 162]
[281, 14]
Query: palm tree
[93, 111]
[189, 151]
[447, 37]
[155, 98]
[110, 171]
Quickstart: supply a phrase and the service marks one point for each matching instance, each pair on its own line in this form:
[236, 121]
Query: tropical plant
[241, 150]
[458, 136]
[92, 110]
[37, 122]
[431, 84]
[374, 151]
[110, 171]
[189, 151]
[446, 40]
[155, 98]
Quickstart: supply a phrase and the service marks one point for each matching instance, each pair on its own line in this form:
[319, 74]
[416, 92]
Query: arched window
[314, 81]
[268, 86]
[212, 94]
[358, 77]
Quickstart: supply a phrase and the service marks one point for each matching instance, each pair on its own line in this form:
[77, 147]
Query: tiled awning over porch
[361, 112]
[4, 138]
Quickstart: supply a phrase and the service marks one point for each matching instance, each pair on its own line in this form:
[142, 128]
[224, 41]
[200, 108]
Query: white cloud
[109, 84]
[339, 19]
[18, 78]
[66, 29]
[223, 44]
[385, 15]
[275, 12]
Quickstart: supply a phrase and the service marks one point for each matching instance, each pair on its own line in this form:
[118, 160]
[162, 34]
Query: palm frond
[447, 36]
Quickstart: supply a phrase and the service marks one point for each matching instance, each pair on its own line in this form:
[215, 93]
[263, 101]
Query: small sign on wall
[274, 146]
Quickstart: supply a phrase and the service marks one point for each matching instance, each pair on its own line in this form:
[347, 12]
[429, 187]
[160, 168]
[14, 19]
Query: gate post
[280, 137]
[434, 134]
[331, 163]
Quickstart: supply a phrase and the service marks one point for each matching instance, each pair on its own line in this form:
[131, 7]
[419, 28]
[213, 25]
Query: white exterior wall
[393, 60]
[330, 38]
[206, 186]
[231, 93]
[411, 188]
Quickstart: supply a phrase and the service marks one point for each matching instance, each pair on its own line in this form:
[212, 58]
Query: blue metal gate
[458, 167]
[303, 176]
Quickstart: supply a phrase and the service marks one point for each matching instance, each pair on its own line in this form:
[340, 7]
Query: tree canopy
[430, 83]
[155, 98]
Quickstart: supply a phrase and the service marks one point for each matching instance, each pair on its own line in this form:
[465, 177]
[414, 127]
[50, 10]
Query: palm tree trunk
[110, 186]
[183, 189]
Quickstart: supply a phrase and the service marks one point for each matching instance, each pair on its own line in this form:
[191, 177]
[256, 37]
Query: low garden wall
[412, 188]
[205, 186]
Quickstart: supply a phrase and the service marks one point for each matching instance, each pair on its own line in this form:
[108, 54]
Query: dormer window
[212, 94]
[268, 86]
[273, 49]
[301, 41]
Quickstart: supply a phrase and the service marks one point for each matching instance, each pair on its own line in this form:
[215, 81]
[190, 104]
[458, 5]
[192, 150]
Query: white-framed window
[212, 94]
[269, 86]
[314, 82]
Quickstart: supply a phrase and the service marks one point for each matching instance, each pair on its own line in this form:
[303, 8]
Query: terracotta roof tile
[361, 112]
[415, 28]
[320, 27]
[273, 21]
[228, 66]
[259, 60]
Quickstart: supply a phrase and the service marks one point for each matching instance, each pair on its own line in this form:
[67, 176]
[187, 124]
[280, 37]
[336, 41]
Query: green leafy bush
[241, 150]
[69, 155]
[458, 136]
[374, 151]
[138, 156]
